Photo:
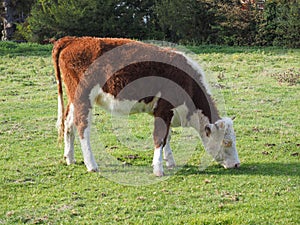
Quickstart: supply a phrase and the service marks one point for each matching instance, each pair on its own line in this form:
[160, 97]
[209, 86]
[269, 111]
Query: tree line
[229, 22]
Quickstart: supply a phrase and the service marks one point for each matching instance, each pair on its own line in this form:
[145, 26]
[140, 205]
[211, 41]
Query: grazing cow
[125, 76]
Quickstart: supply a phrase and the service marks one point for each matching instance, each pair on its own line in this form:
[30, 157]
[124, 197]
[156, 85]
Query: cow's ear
[207, 130]
[233, 118]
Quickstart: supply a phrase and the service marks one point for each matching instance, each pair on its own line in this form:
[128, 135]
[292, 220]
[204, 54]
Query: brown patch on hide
[71, 58]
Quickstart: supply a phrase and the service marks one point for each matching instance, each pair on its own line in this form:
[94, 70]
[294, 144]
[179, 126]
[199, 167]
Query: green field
[260, 86]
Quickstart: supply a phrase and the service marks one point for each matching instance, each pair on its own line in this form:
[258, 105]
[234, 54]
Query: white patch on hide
[180, 116]
[197, 120]
[218, 146]
[121, 107]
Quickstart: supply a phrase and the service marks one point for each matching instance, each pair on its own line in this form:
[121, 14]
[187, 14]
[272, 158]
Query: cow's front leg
[158, 162]
[84, 133]
[159, 134]
[162, 123]
[69, 135]
[168, 155]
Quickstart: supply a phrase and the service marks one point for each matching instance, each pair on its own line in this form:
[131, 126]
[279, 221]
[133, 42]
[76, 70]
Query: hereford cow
[125, 76]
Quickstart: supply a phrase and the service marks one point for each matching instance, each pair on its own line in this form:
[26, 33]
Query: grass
[261, 86]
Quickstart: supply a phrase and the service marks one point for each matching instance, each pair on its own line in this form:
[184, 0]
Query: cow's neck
[199, 120]
[207, 107]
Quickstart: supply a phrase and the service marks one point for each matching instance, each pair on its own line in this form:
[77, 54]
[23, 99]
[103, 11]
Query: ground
[260, 86]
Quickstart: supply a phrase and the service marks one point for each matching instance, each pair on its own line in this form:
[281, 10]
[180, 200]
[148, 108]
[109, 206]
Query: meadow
[260, 86]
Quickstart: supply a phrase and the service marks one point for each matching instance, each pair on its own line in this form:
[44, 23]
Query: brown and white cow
[125, 76]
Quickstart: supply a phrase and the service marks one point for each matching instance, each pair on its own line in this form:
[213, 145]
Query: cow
[125, 76]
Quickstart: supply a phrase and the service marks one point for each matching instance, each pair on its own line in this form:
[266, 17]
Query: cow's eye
[227, 143]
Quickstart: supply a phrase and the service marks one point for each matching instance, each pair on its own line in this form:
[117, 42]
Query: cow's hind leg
[168, 155]
[83, 123]
[69, 135]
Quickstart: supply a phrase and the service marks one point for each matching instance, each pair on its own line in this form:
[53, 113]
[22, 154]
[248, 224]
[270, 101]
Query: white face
[221, 143]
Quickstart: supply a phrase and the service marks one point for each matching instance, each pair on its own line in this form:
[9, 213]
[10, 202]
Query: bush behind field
[190, 21]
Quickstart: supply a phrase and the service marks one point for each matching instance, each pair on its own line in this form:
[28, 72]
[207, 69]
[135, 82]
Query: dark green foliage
[237, 27]
[280, 24]
[110, 18]
[67, 17]
[288, 28]
[266, 28]
[134, 19]
[190, 21]
[187, 21]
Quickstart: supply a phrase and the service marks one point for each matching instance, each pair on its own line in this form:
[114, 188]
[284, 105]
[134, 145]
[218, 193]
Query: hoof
[93, 167]
[170, 165]
[158, 173]
[93, 170]
[69, 161]
[158, 169]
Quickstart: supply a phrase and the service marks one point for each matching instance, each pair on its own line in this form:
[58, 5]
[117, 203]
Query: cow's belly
[124, 107]
[117, 106]
[180, 116]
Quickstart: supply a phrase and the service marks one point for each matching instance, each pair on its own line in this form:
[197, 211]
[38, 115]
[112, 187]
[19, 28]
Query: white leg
[89, 159]
[69, 136]
[157, 162]
[168, 155]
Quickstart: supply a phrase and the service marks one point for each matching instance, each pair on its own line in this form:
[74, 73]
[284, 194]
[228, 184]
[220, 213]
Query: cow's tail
[60, 114]
[57, 48]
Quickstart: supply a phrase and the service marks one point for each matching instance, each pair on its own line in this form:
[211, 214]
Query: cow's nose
[237, 165]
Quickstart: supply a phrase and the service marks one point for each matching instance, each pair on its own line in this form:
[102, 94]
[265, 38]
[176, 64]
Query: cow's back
[75, 55]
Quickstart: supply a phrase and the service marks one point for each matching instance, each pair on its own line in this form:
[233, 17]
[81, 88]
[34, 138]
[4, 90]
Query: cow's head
[220, 143]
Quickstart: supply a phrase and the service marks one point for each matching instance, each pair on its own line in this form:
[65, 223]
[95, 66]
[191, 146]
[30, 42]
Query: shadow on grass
[263, 169]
